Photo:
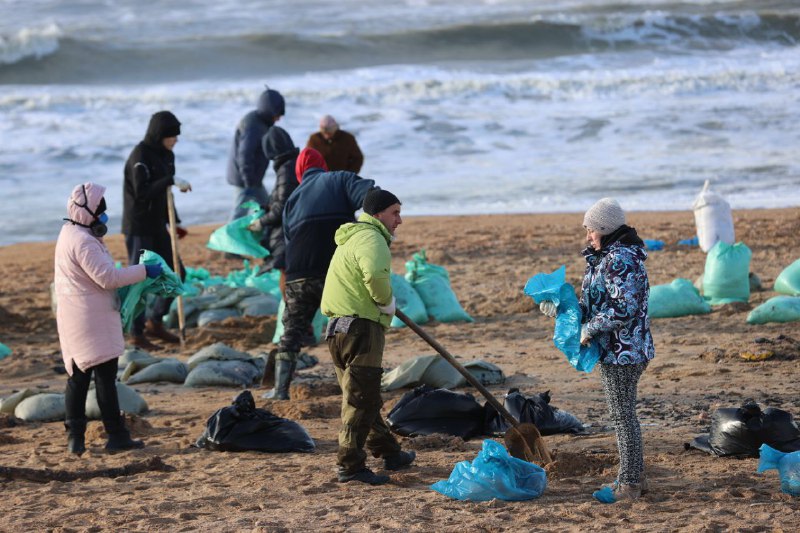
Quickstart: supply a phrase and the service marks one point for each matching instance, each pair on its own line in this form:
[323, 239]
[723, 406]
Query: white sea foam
[29, 42]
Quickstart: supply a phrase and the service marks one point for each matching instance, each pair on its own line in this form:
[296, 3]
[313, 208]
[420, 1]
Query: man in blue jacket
[314, 211]
[247, 163]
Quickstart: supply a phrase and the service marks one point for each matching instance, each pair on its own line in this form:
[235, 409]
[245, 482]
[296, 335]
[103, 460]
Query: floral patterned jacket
[614, 298]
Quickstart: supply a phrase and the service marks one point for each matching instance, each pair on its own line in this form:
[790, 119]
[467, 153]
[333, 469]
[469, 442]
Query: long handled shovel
[173, 233]
[523, 440]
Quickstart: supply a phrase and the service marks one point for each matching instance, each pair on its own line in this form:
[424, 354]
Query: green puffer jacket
[359, 276]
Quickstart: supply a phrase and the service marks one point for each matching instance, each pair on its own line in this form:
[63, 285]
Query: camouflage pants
[303, 297]
[357, 357]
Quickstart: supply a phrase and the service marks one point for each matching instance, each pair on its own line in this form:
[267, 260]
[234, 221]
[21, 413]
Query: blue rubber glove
[153, 271]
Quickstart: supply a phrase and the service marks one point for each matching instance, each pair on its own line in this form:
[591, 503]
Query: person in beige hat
[613, 305]
[338, 147]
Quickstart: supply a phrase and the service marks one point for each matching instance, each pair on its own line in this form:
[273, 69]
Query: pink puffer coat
[89, 323]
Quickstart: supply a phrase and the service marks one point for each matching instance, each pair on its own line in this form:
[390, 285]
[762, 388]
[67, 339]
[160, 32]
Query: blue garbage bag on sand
[787, 465]
[432, 283]
[133, 298]
[408, 301]
[235, 238]
[567, 334]
[494, 474]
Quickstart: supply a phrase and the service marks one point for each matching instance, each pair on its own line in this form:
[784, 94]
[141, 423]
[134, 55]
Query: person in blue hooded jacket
[613, 303]
[247, 162]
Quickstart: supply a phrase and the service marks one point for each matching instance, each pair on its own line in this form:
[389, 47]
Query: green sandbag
[408, 301]
[777, 309]
[727, 275]
[679, 298]
[226, 373]
[134, 297]
[317, 325]
[5, 351]
[432, 283]
[171, 370]
[788, 281]
[235, 238]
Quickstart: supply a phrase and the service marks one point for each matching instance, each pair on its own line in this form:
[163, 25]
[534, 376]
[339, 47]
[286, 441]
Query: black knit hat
[377, 200]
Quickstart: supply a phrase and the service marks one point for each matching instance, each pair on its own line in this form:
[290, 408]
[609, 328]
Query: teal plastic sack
[134, 297]
[787, 465]
[777, 309]
[567, 333]
[788, 281]
[727, 275]
[5, 351]
[318, 324]
[408, 301]
[679, 298]
[235, 238]
[432, 283]
[494, 474]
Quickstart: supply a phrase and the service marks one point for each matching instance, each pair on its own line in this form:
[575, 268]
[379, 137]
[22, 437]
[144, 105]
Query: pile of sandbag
[432, 284]
[34, 405]
[208, 299]
[138, 366]
[219, 365]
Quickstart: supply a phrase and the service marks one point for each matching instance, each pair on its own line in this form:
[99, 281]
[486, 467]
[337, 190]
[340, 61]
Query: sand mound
[304, 410]
[242, 333]
[436, 441]
[138, 426]
[305, 390]
[569, 464]
[780, 347]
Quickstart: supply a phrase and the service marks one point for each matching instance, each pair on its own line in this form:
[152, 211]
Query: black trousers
[105, 378]
[162, 245]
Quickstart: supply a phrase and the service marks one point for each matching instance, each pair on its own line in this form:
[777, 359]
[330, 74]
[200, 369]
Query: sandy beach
[696, 370]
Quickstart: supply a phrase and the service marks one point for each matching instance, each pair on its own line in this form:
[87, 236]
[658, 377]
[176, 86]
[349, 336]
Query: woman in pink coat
[89, 323]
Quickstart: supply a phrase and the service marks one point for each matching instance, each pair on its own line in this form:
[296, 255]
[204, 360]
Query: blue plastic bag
[432, 283]
[787, 465]
[694, 241]
[776, 309]
[788, 281]
[727, 275]
[654, 244]
[5, 351]
[408, 301]
[493, 474]
[567, 333]
[679, 298]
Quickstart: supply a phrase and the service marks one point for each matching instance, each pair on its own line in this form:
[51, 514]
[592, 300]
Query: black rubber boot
[399, 460]
[119, 438]
[76, 429]
[284, 369]
[365, 475]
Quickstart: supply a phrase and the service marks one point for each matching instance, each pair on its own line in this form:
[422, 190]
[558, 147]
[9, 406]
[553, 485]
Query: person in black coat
[149, 172]
[278, 148]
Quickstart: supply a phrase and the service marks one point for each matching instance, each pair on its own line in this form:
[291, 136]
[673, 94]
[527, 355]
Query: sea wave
[27, 43]
[48, 56]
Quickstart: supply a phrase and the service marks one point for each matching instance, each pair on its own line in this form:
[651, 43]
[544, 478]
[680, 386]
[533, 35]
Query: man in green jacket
[358, 299]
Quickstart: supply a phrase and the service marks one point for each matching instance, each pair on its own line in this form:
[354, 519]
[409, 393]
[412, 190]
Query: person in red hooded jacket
[314, 211]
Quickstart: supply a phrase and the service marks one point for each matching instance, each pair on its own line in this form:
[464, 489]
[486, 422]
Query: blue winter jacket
[314, 211]
[614, 298]
[247, 162]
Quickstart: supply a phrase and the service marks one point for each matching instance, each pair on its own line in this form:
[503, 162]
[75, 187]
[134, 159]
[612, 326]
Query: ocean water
[495, 106]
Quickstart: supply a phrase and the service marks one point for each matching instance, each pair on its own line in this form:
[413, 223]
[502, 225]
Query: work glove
[256, 226]
[153, 271]
[585, 335]
[181, 232]
[389, 308]
[183, 185]
[548, 308]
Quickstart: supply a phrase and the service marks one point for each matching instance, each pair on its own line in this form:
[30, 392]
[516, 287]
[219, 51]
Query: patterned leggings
[619, 385]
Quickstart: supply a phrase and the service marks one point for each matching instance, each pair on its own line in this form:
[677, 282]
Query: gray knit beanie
[604, 217]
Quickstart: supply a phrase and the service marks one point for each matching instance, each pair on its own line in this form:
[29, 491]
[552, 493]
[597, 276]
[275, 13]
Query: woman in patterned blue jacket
[613, 301]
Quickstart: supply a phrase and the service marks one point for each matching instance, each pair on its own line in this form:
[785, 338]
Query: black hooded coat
[149, 171]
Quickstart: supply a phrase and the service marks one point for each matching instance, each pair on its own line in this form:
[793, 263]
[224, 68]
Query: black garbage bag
[426, 410]
[535, 409]
[243, 427]
[741, 431]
